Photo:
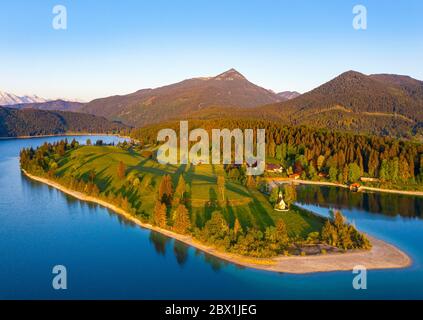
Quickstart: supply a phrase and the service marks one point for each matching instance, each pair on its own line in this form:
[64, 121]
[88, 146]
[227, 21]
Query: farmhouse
[275, 168]
[294, 176]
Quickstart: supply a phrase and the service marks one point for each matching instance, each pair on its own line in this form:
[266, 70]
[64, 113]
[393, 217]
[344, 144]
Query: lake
[108, 258]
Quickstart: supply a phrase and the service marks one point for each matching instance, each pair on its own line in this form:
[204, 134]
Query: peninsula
[210, 209]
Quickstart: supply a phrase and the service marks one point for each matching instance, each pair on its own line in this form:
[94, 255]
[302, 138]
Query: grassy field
[248, 205]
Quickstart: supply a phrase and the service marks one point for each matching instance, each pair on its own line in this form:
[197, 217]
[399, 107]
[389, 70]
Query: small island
[215, 208]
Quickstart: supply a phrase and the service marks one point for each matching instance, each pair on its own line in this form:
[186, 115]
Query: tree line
[339, 156]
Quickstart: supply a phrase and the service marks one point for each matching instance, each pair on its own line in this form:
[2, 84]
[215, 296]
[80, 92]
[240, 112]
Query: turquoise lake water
[108, 258]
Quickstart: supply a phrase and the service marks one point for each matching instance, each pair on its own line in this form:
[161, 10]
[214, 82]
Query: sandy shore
[381, 256]
[339, 185]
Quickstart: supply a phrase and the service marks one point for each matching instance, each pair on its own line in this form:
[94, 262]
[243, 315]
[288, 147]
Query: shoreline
[339, 185]
[381, 256]
[274, 179]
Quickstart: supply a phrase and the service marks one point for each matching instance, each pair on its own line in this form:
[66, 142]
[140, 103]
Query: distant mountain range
[30, 122]
[288, 95]
[180, 100]
[7, 99]
[380, 104]
[55, 105]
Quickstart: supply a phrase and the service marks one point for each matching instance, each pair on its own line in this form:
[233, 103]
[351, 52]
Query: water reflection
[159, 242]
[181, 252]
[380, 203]
[215, 263]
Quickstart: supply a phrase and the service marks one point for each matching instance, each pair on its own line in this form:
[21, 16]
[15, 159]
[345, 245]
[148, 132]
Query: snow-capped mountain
[289, 95]
[7, 99]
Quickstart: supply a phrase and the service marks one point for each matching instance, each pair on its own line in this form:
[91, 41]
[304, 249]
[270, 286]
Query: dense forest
[30, 122]
[313, 153]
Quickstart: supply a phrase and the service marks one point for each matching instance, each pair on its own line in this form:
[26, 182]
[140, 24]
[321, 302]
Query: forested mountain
[387, 105]
[30, 122]
[55, 105]
[381, 104]
[181, 100]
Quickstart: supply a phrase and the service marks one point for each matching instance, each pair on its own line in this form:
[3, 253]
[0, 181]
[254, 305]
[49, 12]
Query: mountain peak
[230, 75]
[288, 95]
[10, 99]
[352, 74]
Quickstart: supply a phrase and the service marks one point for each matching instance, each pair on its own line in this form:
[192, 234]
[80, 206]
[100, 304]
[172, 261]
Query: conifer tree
[180, 190]
[182, 223]
[159, 215]
[166, 190]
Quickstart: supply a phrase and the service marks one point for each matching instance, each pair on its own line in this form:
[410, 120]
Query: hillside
[181, 100]
[30, 122]
[380, 104]
[55, 105]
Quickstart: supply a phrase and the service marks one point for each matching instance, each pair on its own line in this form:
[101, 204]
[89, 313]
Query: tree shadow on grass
[261, 215]
[103, 181]
[202, 177]
[235, 189]
[230, 215]
[142, 168]
[175, 177]
[96, 157]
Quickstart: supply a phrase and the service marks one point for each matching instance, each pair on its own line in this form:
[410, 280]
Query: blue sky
[117, 47]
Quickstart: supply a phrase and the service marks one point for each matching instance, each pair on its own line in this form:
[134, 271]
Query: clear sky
[117, 47]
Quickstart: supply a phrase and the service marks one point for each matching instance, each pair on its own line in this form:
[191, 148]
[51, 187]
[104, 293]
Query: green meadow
[143, 177]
